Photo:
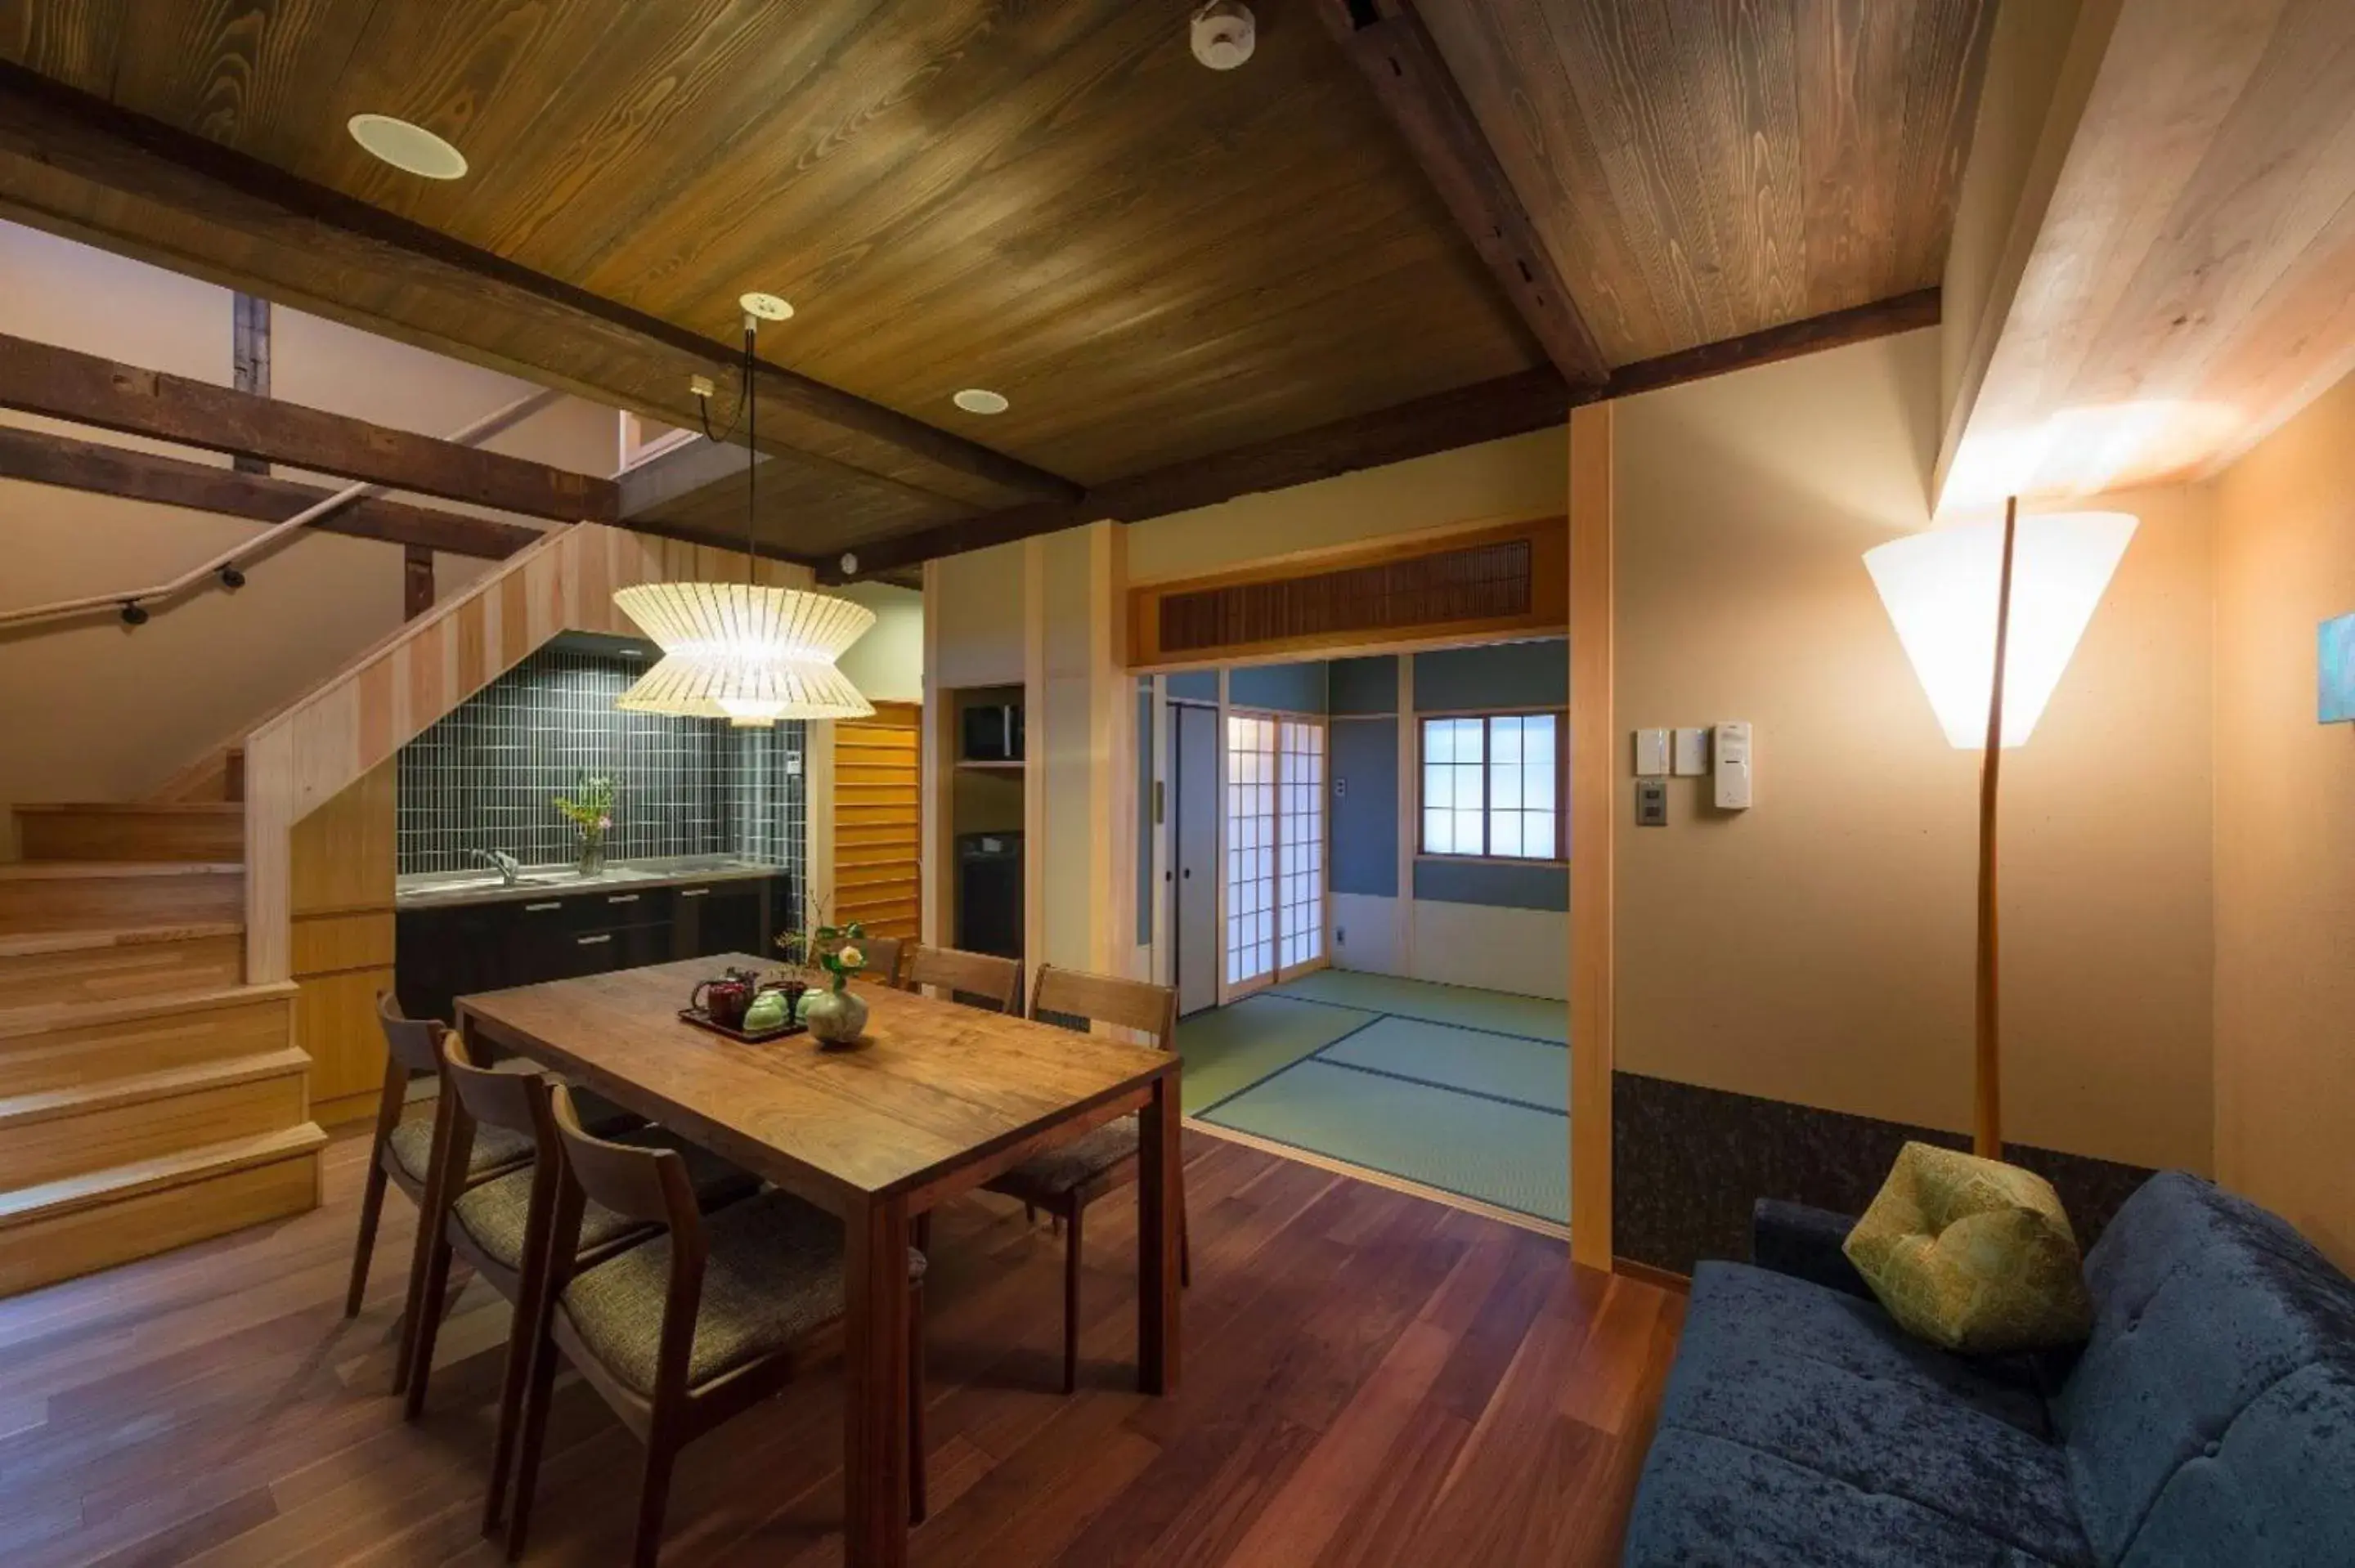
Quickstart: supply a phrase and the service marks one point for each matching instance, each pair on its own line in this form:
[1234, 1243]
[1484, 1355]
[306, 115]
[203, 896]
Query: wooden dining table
[933, 1100]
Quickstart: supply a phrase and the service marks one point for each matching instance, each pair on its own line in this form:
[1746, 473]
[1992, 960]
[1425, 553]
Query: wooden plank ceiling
[1157, 263]
[1704, 170]
[2191, 283]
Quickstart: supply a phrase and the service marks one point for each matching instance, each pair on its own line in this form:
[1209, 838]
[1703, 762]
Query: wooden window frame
[1488, 752]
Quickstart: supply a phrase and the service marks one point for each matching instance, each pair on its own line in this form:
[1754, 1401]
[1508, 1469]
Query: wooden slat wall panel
[876, 828]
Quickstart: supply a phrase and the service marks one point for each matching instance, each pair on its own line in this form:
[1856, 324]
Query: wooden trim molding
[1544, 605]
[1593, 755]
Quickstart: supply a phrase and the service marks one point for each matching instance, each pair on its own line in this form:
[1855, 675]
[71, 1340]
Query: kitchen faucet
[507, 864]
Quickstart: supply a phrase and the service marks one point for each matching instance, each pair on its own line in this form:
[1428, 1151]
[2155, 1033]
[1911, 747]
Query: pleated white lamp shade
[749, 654]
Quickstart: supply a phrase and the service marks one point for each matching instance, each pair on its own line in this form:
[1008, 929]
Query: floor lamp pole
[1987, 1120]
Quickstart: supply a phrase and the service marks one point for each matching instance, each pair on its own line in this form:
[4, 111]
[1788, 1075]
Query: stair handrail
[132, 604]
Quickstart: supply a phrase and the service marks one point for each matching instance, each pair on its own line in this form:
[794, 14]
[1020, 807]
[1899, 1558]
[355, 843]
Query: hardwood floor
[1371, 1379]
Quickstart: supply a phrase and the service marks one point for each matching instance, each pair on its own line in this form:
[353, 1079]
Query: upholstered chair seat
[774, 1277]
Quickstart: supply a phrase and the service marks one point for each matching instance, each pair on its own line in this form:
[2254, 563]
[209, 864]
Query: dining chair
[681, 1332]
[402, 1153]
[973, 978]
[1065, 1180]
[500, 1226]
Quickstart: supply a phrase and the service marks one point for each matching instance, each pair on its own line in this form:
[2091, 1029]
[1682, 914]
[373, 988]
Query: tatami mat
[1531, 1017]
[1534, 1072]
[1478, 1148]
[1229, 1049]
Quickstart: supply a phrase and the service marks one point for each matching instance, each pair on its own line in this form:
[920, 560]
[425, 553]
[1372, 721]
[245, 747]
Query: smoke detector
[1223, 34]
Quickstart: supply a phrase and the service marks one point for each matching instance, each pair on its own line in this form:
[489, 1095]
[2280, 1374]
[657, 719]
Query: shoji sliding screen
[1275, 848]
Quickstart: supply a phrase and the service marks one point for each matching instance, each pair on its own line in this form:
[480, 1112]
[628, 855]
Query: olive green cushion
[1972, 1255]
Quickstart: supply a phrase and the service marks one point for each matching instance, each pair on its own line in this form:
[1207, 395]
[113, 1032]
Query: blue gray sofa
[2210, 1419]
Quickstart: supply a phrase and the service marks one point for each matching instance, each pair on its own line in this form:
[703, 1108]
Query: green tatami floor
[1424, 1082]
[1533, 1018]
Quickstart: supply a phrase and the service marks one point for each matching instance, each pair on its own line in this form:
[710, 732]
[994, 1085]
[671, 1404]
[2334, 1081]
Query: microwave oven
[993, 733]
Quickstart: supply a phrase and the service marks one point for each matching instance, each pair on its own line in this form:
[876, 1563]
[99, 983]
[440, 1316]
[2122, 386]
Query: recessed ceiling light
[410, 148]
[767, 307]
[981, 401]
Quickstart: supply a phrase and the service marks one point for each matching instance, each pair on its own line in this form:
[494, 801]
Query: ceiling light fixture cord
[752, 452]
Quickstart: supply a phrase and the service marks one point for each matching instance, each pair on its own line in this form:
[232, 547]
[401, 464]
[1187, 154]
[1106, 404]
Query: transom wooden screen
[1480, 583]
[878, 777]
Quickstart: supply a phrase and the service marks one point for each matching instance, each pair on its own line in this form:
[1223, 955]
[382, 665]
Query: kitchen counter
[444, 889]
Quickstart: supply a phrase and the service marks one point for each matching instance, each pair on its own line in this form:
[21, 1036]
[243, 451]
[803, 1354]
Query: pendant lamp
[746, 651]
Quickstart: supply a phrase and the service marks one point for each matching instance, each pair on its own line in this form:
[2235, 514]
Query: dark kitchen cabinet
[722, 918]
[452, 951]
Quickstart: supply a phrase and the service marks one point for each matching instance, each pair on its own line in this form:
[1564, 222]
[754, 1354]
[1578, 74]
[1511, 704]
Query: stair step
[78, 1224]
[49, 1134]
[85, 1044]
[44, 969]
[197, 831]
[59, 895]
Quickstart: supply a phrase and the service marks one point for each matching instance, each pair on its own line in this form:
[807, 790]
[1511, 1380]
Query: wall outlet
[1651, 802]
[1340, 934]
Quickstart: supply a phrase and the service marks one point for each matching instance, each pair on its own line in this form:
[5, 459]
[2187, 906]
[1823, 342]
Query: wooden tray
[703, 1020]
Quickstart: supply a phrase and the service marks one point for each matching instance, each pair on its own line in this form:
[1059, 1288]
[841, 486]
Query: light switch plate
[1693, 753]
[1651, 802]
[1651, 753]
[1735, 769]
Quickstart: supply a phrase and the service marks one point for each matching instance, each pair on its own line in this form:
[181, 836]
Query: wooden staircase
[149, 1097]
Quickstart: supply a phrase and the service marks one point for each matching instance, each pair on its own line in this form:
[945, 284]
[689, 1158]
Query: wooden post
[1987, 1120]
[416, 581]
[250, 361]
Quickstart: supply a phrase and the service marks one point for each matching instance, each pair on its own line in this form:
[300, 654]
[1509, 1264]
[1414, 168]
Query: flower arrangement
[818, 946]
[590, 809]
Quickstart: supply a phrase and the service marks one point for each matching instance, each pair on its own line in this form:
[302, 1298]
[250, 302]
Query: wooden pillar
[1594, 822]
[249, 360]
[416, 581]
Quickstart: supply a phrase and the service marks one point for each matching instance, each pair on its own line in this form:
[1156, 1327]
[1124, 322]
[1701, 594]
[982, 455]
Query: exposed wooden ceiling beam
[41, 458]
[1833, 329]
[1509, 405]
[1488, 411]
[144, 161]
[58, 382]
[1394, 51]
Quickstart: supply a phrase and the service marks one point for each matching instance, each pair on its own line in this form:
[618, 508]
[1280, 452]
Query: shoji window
[1251, 847]
[1492, 786]
[1300, 837]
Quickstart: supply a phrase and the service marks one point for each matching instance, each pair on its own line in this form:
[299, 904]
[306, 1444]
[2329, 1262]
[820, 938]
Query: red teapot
[723, 1001]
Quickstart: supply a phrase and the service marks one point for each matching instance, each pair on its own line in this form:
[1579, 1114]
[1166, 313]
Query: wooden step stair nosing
[91, 1189]
[98, 870]
[112, 1094]
[85, 938]
[194, 809]
[19, 1023]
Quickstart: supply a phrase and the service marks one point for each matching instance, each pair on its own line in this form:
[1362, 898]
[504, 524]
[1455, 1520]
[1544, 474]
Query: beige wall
[1525, 476]
[96, 713]
[887, 665]
[2285, 829]
[1818, 947]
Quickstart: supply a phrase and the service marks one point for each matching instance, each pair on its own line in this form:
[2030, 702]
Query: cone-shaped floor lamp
[1989, 615]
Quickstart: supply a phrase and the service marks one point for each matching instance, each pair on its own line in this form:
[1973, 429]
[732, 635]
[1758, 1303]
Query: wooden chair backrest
[415, 1043]
[882, 955]
[515, 1101]
[954, 970]
[646, 1184]
[639, 1184]
[1150, 1010]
